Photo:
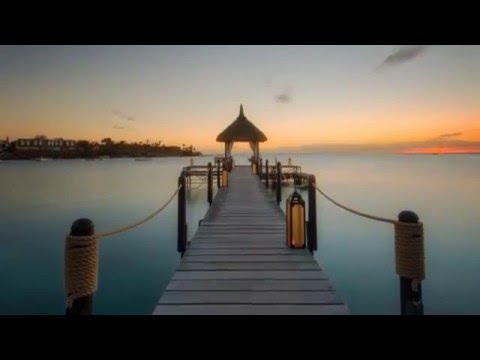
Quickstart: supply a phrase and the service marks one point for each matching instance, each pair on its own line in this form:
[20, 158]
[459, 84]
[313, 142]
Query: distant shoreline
[93, 158]
[146, 158]
[40, 148]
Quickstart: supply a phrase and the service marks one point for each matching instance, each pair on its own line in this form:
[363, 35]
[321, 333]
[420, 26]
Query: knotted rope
[81, 258]
[409, 252]
[409, 244]
[81, 266]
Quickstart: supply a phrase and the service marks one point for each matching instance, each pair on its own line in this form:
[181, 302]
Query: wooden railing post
[210, 183]
[279, 183]
[260, 168]
[182, 216]
[312, 214]
[83, 305]
[266, 174]
[218, 174]
[411, 302]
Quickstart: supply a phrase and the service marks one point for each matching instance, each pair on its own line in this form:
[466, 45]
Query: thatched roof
[241, 130]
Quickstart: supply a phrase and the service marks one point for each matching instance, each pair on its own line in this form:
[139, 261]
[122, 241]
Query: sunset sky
[400, 98]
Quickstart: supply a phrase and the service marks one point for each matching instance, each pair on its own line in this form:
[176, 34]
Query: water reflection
[41, 199]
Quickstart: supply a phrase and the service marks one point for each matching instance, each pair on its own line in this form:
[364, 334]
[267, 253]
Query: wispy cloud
[123, 116]
[403, 55]
[119, 127]
[450, 135]
[284, 97]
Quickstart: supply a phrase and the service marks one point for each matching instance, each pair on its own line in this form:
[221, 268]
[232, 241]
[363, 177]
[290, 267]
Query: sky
[403, 98]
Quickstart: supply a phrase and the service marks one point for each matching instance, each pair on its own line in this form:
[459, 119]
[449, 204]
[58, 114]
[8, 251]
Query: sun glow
[442, 150]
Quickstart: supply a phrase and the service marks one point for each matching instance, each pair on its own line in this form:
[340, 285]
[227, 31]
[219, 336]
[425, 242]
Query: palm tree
[107, 141]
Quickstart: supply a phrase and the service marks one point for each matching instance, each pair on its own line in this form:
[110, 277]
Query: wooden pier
[238, 261]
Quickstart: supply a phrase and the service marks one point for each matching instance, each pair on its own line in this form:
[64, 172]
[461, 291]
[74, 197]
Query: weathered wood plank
[250, 274]
[245, 240]
[251, 310]
[198, 251]
[236, 245]
[252, 284]
[250, 297]
[189, 266]
[240, 237]
[248, 258]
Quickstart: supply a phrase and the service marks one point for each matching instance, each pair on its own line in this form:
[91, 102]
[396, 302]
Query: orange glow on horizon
[298, 131]
[441, 150]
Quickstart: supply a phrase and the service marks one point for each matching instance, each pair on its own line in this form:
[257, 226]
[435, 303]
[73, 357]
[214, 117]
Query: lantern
[225, 177]
[289, 161]
[295, 221]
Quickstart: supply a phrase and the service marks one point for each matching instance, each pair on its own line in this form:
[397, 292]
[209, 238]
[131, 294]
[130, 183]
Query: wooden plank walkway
[238, 262]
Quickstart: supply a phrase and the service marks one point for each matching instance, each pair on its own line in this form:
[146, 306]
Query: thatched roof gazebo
[242, 130]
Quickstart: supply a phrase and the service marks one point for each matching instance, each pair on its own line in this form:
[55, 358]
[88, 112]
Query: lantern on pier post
[225, 176]
[266, 174]
[295, 206]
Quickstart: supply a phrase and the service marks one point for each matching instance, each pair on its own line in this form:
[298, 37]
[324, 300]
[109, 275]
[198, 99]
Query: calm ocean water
[39, 201]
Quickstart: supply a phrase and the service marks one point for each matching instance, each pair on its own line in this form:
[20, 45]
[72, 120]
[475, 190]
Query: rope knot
[409, 251]
[81, 266]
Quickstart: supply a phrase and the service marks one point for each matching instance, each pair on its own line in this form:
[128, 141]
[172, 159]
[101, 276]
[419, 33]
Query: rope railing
[409, 252]
[81, 247]
[203, 181]
[377, 218]
[135, 224]
[408, 238]
[81, 256]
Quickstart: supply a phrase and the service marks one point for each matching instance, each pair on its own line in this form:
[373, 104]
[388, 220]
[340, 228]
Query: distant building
[45, 144]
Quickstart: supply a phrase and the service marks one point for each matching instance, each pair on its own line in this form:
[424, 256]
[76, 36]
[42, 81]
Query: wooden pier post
[218, 174]
[182, 216]
[260, 168]
[312, 215]
[279, 183]
[83, 305]
[210, 183]
[411, 302]
[266, 174]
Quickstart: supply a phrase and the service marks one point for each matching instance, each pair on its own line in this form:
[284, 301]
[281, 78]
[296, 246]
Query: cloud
[450, 135]
[123, 116]
[118, 127]
[284, 97]
[403, 55]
